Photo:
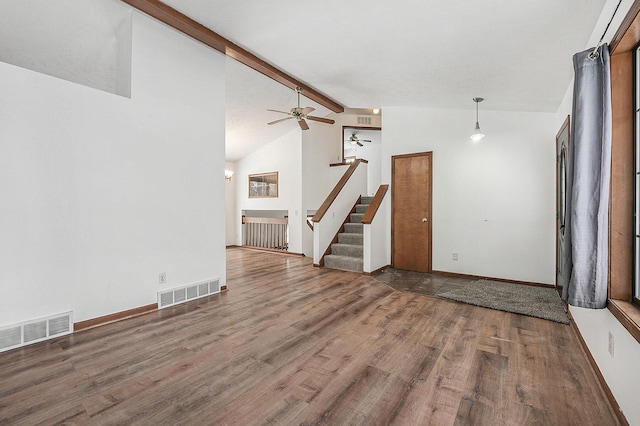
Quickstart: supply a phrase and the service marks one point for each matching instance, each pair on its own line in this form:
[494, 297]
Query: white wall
[101, 193]
[322, 146]
[325, 230]
[283, 156]
[376, 239]
[620, 371]
[493, 201]
[231, 217]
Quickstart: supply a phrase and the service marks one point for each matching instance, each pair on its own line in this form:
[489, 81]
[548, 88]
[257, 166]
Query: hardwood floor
[296, 345]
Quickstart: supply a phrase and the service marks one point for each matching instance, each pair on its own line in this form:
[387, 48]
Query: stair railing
[335, 208]
[376, 238]
[266, 232]
[375, 204]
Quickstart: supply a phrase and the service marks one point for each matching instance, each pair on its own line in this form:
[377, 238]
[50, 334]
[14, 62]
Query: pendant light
[477, 134]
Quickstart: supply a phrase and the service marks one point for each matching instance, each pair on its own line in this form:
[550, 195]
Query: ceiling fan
[354, 140]
[301, 114]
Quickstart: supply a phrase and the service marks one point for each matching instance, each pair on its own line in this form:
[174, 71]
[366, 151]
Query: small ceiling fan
[301, 114]
[354, 140]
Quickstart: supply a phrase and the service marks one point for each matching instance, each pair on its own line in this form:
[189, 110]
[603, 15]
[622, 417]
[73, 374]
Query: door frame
[429, 155]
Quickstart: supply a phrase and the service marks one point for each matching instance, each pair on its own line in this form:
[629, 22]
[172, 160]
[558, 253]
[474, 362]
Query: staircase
[347, 253]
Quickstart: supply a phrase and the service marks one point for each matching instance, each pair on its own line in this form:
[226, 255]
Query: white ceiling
[362, 53]
[422, 53]
[249, 94]
[70, 39]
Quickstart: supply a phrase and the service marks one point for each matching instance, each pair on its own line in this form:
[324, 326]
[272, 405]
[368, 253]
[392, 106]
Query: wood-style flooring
[295, 345]
[428, 284]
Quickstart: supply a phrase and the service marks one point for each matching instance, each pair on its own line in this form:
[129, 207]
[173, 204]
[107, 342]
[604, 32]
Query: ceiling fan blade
[281, 112]
[308, 110]
[359, 144]
[303, 124]
[364, 140]
[321, 120]
[282, 119]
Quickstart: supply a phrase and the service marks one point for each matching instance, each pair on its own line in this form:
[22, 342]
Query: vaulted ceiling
[364, 53]
[360, 53]
[413, 53]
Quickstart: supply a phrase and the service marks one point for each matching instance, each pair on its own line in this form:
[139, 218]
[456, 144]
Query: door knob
[424, 219]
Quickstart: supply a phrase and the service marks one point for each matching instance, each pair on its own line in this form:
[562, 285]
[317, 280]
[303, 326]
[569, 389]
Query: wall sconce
[376, 111]
[477, 134]
[228, 174]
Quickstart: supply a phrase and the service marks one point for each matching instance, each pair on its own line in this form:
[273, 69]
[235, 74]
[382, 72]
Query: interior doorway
[411, 186]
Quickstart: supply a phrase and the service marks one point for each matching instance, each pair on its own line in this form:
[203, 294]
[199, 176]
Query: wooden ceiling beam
[188, 26]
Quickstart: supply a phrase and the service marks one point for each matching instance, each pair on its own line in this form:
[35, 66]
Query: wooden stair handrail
[375, 204]
[281, 220]
[334, 193]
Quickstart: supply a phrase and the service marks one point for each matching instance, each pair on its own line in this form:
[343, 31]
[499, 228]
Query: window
[624, 213]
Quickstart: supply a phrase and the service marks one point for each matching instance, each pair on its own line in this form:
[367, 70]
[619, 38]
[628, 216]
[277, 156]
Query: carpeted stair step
[355, 239]
[350, 250]
[362, 208]
[356, 217]
[366, 200]
[353, 228]
[343, 262]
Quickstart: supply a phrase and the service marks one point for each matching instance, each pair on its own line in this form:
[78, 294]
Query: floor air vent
[28, 332]
[183, 294]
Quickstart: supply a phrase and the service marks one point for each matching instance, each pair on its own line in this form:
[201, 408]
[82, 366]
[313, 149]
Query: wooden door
[411, 211]
[562, 152]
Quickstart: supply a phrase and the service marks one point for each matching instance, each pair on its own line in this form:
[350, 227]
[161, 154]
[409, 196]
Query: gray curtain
[588, 176]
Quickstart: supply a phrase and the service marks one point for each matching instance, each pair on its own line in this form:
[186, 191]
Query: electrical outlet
[611, 344]
[162, 279]
[455, 256]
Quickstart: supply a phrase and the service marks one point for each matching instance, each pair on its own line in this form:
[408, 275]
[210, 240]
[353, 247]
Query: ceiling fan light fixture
[301, 114]
[477, 134]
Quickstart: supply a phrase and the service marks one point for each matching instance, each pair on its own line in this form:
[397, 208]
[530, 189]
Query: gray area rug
[539, 302]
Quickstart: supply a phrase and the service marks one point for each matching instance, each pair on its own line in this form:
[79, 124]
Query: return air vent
[364, 120]
[28, 332]
[185, 293]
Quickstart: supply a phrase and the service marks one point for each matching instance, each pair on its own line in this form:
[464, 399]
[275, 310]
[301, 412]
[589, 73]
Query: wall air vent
[28, 332]
[186, 293]
[364, 120]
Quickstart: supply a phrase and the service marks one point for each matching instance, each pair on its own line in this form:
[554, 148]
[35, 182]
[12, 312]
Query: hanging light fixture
[477, 134]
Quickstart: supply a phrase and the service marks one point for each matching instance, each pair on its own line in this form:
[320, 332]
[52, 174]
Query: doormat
[539, 302]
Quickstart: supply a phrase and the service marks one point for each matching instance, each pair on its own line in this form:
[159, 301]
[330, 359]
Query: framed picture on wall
[263, 185]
